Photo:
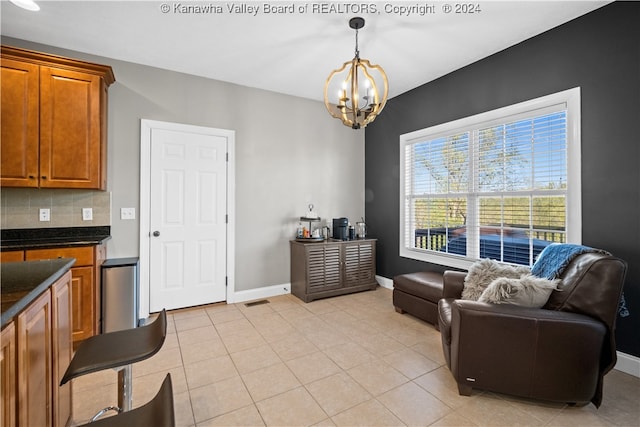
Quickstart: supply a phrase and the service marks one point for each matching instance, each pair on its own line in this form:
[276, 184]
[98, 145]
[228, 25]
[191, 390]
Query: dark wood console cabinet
[330, 268]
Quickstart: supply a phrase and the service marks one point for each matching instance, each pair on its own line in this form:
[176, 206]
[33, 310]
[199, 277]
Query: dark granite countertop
[22, 282]
[41, 238]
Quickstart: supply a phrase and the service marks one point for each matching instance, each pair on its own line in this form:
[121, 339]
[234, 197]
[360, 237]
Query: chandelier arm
[352, 112]
[371, 81]
[377, 106]
[327, 103]
[365, 68]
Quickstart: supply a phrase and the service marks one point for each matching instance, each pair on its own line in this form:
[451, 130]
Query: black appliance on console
[341, 228]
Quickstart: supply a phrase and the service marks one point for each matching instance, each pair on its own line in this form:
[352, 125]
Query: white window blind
[499, 185]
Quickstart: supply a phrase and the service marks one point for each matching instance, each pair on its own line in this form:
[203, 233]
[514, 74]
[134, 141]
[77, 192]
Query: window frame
[567, 99]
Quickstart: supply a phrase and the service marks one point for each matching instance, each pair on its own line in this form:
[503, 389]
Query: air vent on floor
[259, 302]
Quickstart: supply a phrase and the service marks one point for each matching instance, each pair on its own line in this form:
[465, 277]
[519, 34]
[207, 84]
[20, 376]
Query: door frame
[145, 200]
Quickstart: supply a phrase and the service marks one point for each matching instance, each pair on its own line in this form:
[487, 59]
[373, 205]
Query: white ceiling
[284, 52]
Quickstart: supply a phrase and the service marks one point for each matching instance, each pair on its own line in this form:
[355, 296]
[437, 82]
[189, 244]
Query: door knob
[156, 233]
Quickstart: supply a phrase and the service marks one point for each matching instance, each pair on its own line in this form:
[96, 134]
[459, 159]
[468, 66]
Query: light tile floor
[344, 361]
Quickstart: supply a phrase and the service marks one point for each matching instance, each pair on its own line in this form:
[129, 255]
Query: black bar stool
[158, 412]
[118, 349]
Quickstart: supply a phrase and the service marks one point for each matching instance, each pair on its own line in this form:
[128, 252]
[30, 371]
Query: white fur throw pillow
[483, 272]
[528, 291]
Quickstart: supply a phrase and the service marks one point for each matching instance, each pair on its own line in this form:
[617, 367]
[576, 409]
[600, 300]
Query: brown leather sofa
[559, 352]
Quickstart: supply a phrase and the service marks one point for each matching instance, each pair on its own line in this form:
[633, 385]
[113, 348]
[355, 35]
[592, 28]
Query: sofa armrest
[529, 314]
[525, 351]
[453, 284]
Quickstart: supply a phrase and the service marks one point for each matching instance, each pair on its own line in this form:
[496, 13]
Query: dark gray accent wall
[600, 53]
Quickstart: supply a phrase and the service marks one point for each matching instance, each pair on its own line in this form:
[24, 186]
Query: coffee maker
[340, 228]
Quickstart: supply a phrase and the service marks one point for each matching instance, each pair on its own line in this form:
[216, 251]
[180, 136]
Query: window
[502, 184]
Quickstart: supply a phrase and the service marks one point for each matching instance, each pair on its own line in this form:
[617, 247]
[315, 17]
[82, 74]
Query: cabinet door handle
[32, 177]
[156, 233]
[43, 177]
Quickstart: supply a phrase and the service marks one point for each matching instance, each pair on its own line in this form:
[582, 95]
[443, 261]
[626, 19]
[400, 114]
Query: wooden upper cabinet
[20, 123]
[70, 119]
[54, 121]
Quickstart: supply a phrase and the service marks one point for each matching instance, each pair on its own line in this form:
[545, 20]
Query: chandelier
[352, 93]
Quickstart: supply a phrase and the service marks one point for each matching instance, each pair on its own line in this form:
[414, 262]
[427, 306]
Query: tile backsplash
[20, 207]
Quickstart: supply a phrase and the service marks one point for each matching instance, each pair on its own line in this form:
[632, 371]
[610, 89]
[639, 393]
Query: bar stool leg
[125, 393]
[125, 389]
[104, 411]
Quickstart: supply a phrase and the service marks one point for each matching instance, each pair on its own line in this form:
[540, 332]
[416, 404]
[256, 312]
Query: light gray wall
[289, 153]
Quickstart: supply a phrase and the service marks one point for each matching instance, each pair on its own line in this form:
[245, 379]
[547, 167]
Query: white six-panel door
[187, 217]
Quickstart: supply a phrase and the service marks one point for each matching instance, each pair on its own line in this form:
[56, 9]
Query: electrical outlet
[127, 213]
[87, 214]
[45, 214]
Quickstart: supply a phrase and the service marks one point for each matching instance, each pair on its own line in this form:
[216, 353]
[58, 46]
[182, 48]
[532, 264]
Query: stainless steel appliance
[120, 294]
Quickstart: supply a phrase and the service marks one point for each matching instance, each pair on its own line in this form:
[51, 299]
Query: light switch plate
[127, 213]
[45, 214]
[87, 214]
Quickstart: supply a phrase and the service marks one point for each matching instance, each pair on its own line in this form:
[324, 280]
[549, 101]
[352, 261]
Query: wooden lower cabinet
[36, 351]
[34, 363]
[8, 375]
[61, 326]
[11, 256]
[330, 268]
[85, 285]
[83, 290]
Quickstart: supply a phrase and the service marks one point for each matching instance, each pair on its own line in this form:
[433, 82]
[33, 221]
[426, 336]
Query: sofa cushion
[527, 291]
[424, 284]
[483, 272]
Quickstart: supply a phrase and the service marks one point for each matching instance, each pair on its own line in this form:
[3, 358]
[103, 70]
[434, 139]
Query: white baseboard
[384, 282]
[261, 293]
[628, 364]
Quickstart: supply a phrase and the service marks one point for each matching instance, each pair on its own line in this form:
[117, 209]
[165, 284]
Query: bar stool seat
[118, 349]
[158, 412]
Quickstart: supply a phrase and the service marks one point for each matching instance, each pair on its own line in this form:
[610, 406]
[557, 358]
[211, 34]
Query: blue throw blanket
[556, 257]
